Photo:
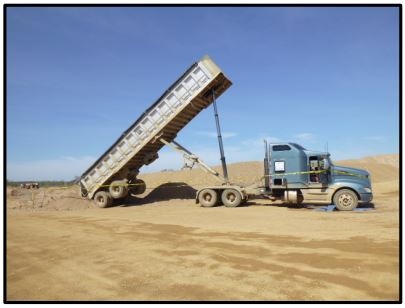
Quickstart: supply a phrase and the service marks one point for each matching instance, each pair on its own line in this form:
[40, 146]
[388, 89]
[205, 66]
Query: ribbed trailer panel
[139, 145]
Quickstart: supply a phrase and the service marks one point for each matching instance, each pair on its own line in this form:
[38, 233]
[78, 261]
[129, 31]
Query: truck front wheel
[345, 200]
[208, 197]
[231, 197]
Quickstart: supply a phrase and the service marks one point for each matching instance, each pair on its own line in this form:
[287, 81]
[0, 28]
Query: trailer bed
[139, 144]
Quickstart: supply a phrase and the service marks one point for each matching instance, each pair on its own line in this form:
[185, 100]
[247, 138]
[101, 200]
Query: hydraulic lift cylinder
[221, 146]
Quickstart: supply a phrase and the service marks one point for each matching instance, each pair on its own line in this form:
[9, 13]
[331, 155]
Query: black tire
[118, 189]
[103, 199]
[138, 187]
[208, 197]
[231, 197]
[345, 200]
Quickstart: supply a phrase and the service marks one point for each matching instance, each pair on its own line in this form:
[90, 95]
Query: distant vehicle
[291, 173]
[29, 185]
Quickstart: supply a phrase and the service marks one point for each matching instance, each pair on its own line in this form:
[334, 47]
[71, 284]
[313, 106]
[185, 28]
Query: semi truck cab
[297, 175]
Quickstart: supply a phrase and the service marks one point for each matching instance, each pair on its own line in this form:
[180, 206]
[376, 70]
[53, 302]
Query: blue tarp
[332, 207]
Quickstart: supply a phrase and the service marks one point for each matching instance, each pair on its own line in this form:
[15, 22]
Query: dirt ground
[162, 246]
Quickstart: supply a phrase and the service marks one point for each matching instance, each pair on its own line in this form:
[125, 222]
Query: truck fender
[346, 187]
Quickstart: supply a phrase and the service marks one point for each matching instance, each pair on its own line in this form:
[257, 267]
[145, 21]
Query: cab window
[281, 147]
[317, 169]
[314, 167]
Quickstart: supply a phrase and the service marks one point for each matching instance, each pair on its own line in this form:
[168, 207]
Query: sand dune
[382, 167]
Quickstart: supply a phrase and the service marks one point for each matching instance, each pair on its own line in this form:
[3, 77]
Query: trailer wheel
[118, 189]
[103, 199]
[138, 187]
[345, 200]
[231, 197]
[208, 197]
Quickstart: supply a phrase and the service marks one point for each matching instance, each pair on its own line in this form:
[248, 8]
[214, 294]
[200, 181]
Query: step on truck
[292, 174]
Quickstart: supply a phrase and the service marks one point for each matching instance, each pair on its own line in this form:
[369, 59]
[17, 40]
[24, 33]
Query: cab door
[317, 174]
[317, 180]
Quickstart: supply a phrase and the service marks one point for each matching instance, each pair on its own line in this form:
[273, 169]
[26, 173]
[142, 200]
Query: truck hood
[350, 174]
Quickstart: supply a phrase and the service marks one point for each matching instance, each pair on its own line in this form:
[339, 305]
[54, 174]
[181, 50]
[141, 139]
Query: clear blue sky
[78, 77]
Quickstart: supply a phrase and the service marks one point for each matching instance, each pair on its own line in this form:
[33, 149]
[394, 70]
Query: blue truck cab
[297, 175]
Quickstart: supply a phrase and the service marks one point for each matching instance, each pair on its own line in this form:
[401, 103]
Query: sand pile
[49, 198]
[183, 184]
[382, 167]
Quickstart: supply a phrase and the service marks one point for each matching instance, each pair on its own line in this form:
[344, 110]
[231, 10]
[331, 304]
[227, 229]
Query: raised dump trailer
[114, 174]
[292, 174]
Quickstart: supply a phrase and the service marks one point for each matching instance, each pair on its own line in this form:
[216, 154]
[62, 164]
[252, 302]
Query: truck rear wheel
[345, 200]
[103, 199]
[118, 189]
[208, 197]
[231, 197]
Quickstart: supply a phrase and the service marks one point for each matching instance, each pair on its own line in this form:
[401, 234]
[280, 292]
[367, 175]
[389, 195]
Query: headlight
[368, 190]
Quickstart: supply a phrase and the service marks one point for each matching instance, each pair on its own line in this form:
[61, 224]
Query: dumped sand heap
[49, 198]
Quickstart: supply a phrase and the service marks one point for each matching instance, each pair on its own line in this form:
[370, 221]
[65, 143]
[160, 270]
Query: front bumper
[366, 197]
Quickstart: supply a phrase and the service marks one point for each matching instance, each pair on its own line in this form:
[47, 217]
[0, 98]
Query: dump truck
[292, 174]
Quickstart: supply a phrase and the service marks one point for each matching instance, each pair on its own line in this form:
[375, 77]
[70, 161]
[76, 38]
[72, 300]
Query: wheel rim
[346, 200]
[207, 197]
[231, 197]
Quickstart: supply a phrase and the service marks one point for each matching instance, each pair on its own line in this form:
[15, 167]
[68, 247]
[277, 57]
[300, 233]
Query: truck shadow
[164, 192]
[366, 206]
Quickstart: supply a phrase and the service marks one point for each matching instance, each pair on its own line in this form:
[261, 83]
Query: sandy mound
[52, 198]
[183, 184]
[382, 167]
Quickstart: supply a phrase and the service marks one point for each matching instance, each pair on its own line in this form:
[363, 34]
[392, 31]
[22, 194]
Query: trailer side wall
[139, 144]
